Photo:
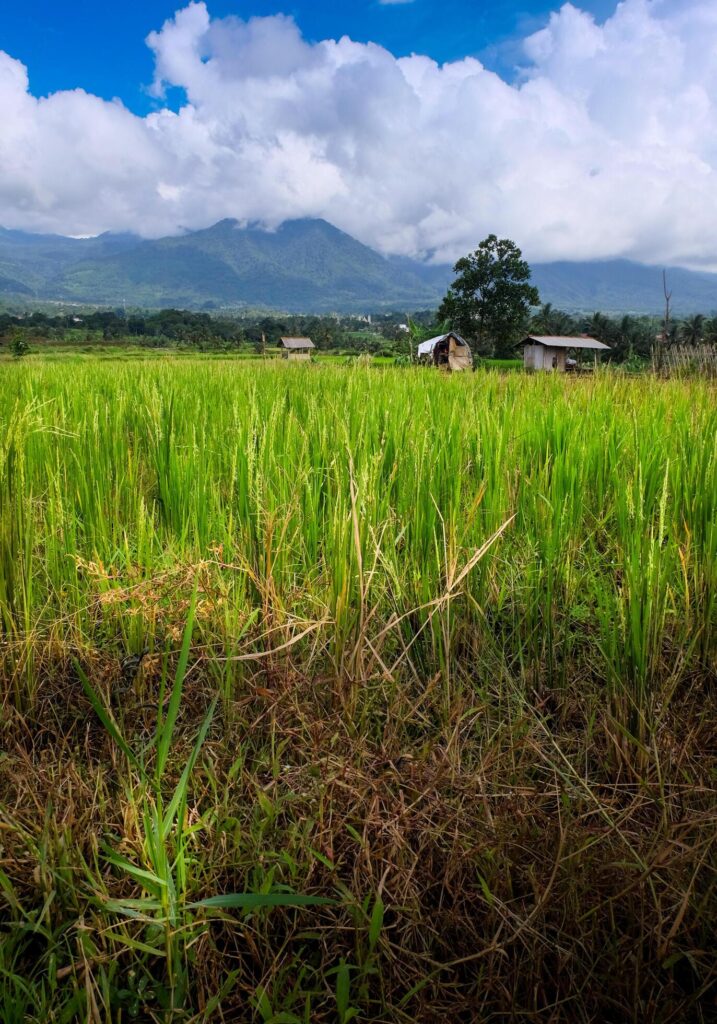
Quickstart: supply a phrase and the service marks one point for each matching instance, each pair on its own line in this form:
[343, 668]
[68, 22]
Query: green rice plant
[444, 642]
[172, 921]
[634, 622]
[341, 496]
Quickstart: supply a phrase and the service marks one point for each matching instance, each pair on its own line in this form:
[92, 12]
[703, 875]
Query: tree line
[491, 303]
[204, 331]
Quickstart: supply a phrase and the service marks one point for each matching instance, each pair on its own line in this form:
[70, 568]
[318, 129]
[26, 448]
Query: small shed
[447, 350]
[296, 348]
[550, 351]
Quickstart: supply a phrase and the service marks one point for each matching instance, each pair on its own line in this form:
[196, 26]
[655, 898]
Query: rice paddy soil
[338, 693]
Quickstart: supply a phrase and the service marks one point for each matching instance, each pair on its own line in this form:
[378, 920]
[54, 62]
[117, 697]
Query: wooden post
[668, 296]
[662, 339]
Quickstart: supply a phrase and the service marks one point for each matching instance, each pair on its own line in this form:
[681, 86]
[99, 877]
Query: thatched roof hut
[447, 350]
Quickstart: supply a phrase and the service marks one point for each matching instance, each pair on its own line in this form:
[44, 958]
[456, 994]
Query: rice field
[353, 693]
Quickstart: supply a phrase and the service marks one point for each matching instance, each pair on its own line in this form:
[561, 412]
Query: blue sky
[100, 46]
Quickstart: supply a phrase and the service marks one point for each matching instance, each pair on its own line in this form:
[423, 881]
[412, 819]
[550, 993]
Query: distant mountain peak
[291, 224]
[221, 227]
[303, 265]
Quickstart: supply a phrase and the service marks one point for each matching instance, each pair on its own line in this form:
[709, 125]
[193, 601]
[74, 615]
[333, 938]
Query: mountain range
[303, 266]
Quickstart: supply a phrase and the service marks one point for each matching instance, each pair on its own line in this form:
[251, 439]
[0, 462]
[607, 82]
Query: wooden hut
[296, 348]
[550, 351]
[447, 350]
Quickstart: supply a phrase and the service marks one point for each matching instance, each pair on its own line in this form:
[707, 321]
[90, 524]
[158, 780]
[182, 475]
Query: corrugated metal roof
[564, 341]
[297, 343]
[426, 347]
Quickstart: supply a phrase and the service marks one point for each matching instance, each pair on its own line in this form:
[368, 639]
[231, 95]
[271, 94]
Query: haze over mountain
[304, 266]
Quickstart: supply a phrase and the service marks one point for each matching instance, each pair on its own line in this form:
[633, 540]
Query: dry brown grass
[533, 865]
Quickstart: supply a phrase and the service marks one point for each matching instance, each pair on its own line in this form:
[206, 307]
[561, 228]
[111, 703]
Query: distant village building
[447, 350]
[550, 351]
[297, 348]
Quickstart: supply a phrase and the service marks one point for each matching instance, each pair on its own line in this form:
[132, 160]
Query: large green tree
[489, 302]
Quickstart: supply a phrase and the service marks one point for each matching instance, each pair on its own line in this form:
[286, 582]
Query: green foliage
[18, 343]
[185, 329]
[490, 299]
[385, 334]
[693, 329]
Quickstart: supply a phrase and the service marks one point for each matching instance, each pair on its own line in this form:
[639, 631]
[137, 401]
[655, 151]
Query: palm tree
[562, 323]
[710, 331]
[601, 327]
[626, 334]
[551, 321]
[420, 332]
[540, 320]
[692, 329]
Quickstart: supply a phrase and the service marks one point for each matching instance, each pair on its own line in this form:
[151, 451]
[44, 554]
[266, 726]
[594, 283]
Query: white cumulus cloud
[604, 145]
